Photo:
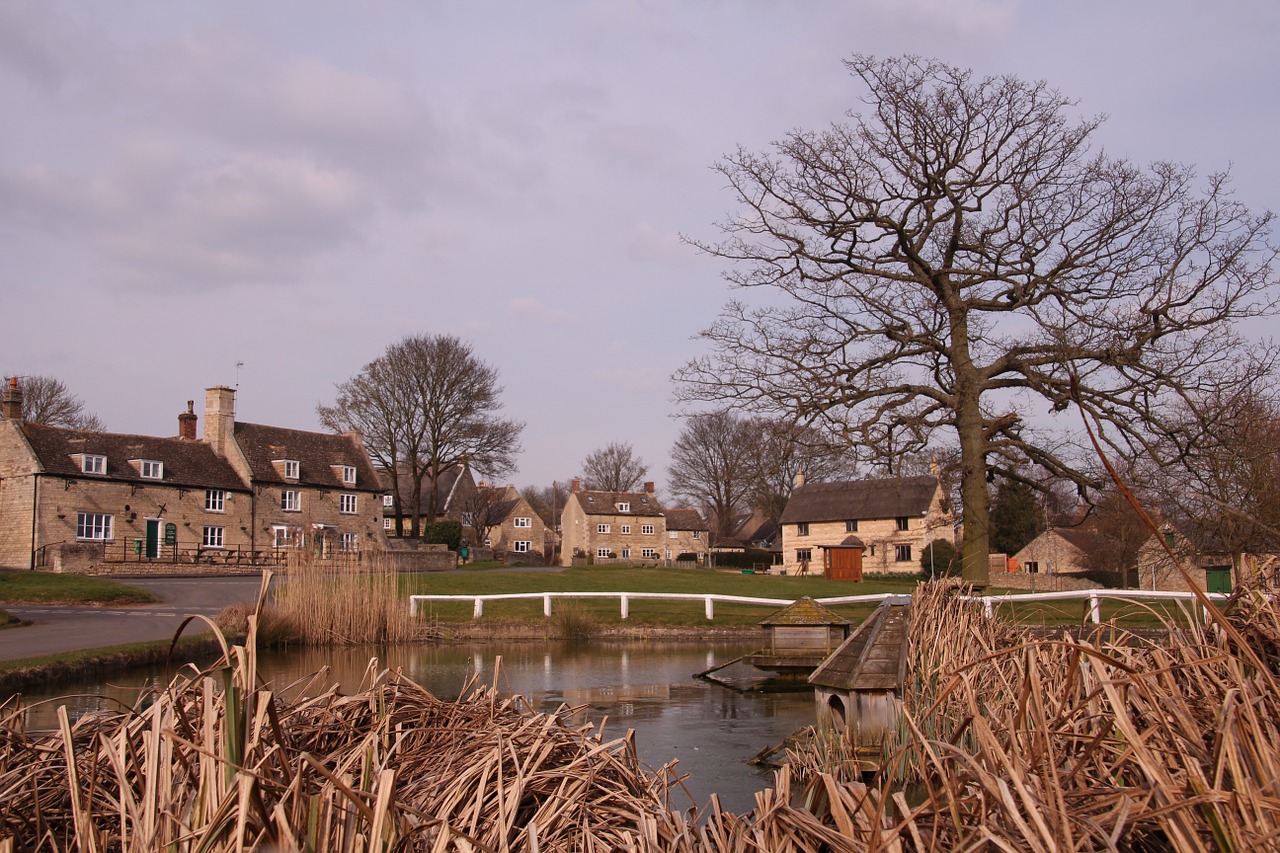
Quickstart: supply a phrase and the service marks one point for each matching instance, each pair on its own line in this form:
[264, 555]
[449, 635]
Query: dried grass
[336, 602]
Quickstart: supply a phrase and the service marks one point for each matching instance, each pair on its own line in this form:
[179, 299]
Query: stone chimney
[648, 488]
[800, 477]
[187, 422]
[575, 485]
[11, 407]
[220, 418]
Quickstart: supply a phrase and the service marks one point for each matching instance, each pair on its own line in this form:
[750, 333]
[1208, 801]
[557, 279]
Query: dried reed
[337, 602]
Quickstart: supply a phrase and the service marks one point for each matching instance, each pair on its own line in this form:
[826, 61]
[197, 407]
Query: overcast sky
[185, 186]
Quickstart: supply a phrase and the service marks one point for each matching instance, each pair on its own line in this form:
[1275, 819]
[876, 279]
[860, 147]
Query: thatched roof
[861, 499]
[804, 611]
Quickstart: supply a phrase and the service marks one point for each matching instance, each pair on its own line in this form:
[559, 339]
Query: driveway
[55, 630]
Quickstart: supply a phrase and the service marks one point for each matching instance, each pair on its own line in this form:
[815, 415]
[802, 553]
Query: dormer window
[291, 468]
[349, 474]
[623, 506]
[91, 463]
[151, 469]
[388, 500]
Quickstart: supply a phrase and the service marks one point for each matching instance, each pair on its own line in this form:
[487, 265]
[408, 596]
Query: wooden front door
[1217, 579]
[844, 564]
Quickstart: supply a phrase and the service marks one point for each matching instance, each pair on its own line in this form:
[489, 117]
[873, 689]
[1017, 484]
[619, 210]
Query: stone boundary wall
[88, 558]
[1041, 583]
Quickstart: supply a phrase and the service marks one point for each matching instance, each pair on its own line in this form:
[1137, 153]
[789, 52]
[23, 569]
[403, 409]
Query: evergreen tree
[1016, 517]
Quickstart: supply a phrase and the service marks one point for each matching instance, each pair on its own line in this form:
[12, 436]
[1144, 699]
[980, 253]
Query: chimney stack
[800, 477]
[220, 418]
[576, 485]
[187, 422]
[11, 407]
[648, 488]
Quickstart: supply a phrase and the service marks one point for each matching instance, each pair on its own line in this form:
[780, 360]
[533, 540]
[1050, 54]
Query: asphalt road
[55, 630]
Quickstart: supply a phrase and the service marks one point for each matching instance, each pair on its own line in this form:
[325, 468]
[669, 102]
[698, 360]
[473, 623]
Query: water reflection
[643, 686]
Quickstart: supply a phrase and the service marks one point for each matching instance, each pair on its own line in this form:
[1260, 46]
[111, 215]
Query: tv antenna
[239, 364]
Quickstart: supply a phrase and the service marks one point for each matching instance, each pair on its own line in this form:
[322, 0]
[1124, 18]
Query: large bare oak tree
[959, 250]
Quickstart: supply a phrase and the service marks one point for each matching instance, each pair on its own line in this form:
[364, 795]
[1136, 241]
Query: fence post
[413, 606]
[478, 610]
[1095, 612]
[988, 607]
[626, 605]
[546, 605]
[710, 608]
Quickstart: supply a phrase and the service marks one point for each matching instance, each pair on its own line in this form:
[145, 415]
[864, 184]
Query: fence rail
[989, 602]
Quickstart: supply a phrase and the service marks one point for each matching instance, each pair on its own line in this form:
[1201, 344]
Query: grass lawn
[47, 588]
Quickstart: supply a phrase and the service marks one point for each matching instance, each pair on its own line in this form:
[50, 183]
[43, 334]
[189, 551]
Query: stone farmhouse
[606, 527]
[501, 520]
[78, 500]
[1205, 562]
[455, 489]
[883, 524]
[687, 533]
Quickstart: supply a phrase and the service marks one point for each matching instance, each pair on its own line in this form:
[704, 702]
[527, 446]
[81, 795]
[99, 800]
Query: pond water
[647, 686]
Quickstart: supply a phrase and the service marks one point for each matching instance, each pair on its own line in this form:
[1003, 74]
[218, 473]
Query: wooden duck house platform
[799, 637]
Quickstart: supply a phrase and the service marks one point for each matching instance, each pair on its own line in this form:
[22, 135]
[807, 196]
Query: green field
[47, 588]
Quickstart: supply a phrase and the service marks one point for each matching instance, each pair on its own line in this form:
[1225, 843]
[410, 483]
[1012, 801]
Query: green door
[1218, 579]
[153, 538]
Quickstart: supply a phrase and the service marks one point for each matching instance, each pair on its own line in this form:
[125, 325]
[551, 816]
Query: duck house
[799, 636]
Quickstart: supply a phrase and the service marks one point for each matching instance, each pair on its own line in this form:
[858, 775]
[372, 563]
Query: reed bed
[337, 602]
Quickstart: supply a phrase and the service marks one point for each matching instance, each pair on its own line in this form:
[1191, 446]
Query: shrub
[572, 622]
[447, 532]
[939, 559]
[745, 559]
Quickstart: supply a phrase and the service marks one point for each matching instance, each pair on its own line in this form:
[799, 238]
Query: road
[55, 630]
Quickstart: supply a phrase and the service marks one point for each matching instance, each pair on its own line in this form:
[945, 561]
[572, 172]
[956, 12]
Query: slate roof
[804, 611]
[506, 501]
[606, 503]
[860, 499]
[684, 519]
[188, 464]
[316, 453]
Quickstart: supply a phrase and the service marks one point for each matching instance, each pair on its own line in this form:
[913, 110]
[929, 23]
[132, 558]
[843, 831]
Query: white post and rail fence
[988, 602]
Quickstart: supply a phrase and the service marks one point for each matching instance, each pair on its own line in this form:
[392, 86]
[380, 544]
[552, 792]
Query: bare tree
[483, 510]
[714, 464]
[957, 251]
[47, 400]
[613, 468]
[1222, 489]
[438, 404]
[785, 450]
[375, 403]
[548, 501]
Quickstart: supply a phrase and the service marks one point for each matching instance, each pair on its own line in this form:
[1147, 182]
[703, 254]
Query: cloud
[532, 310]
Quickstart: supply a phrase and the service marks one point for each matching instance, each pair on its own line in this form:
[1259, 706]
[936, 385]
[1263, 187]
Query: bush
[446, 532]
[745, 559]
[939, 559]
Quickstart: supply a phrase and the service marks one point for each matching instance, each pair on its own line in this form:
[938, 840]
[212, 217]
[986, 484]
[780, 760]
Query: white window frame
[349, 474]
[522, 521]
[347, 504]
[388, 523]
[292, 468]
[285, 532]
[348, 542]
[388, 500]
[623, 506]
[94, 526]
[603, 553]
[646, 530]
[215, 500]
[625, 553]
[697, 534]
[521, 546]
[214, 536]
[603, 528]
[671, 534]
[151, 469]
[290, 500]
[624, 529]
[93, 463]
[649, 553]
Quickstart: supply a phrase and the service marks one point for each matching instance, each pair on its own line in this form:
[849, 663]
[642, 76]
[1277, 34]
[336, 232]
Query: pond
[643, 685]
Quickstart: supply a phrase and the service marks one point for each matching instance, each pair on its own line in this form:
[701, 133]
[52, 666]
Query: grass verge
[48, 588]
[18, 675]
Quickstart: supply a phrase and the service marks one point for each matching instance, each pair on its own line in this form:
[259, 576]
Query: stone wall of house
[17, 486]
[1053, 555]
[625, 536]
[504, 537]
[683, 542]
[318, 508]
[880, 536]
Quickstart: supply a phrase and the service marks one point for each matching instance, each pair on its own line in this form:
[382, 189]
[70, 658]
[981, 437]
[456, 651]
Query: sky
[267, 195]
